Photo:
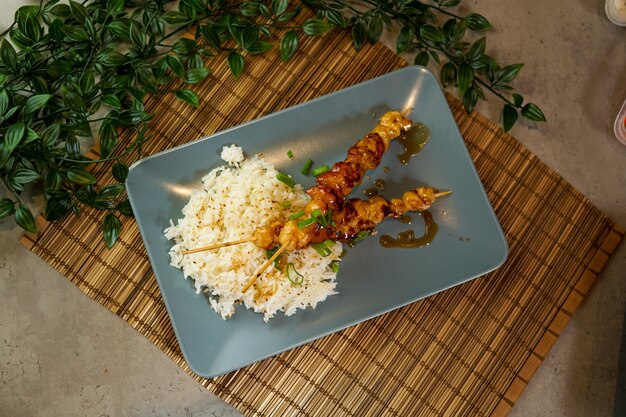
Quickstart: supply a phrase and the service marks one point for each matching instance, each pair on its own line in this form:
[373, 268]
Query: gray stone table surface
[62, 354]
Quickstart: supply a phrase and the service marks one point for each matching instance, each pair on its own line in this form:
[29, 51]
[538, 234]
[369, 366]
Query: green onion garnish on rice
[334, 266]
[286, 179]
[321, 248]
[286, 204]
[293, 275]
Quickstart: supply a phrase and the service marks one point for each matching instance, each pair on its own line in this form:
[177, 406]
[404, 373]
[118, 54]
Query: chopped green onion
[320, 170]
[328, 243]
[361, 235]
[290, 154]
[293, 275]
[286, 204]
[285, 179]
[321, 248]
[270, 252]
[306, 222]
[296, 215]
[334, 266]
[307, 167]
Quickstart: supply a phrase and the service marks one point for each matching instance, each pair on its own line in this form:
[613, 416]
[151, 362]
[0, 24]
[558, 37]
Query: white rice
[231, 204]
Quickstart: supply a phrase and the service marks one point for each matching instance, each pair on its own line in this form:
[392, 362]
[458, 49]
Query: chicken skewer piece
[334, 185]
[356, 216]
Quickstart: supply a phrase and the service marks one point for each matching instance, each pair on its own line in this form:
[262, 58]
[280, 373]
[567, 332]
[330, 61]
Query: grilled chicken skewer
[356, 216]
[334, 185]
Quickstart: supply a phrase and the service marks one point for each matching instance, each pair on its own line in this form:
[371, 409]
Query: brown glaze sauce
[413, 141]
[380, 183]
[406, 219]
[371, 192]
[407, 238]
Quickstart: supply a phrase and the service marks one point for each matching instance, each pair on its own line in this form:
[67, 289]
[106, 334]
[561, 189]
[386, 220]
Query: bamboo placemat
[470, 350]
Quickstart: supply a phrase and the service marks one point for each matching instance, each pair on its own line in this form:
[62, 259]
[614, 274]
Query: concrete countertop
[62, 354]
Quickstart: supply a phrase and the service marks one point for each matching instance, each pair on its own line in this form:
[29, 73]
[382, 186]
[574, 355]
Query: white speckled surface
[64, 354]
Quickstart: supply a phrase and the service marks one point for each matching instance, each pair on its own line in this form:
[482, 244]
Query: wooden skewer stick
[442, 193]
[218, 245]
[264, 267]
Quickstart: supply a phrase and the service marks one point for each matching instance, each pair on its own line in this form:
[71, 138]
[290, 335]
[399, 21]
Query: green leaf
[24, 176]
[235, 64]
[120, 171]
[111, 100]
[288, 45]
[517, 99]
[111, 227]
[184, 46]
[31, 135]
[115, 6]
[447, 74]
[336, 18]
[61, 10]
[188, 97]
[211, 36]
[249, 9]
[508, 73]
[53, 180]
[359, 35]
[75, 33]
[374, 29]
[24, 218]
[134, 117]
[111, 191]
[79, 12]
[80, 176]
[432, 33]
[477, 22]
[108, 137]
[58, 205]
[259, 47]
[405, 38]
[196, 75]
[125, 208]
[315, 27]
[422, 58]
[36, 102]
[72, 147]
[120, 28]
[509, 117]
[14, 135]
[470, 98]
[174, 18]
[176, 65]
[533, 112]
[60, 67]
[7, 207]
[8, 54]
[477, 50]
[279, 6]
[4, 101]
[137, 34]
[464, 78]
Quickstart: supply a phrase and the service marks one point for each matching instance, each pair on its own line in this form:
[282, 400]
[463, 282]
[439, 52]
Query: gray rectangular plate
[372, 280]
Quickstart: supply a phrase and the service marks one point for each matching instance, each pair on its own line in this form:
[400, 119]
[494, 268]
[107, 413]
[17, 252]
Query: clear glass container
[616, 11]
